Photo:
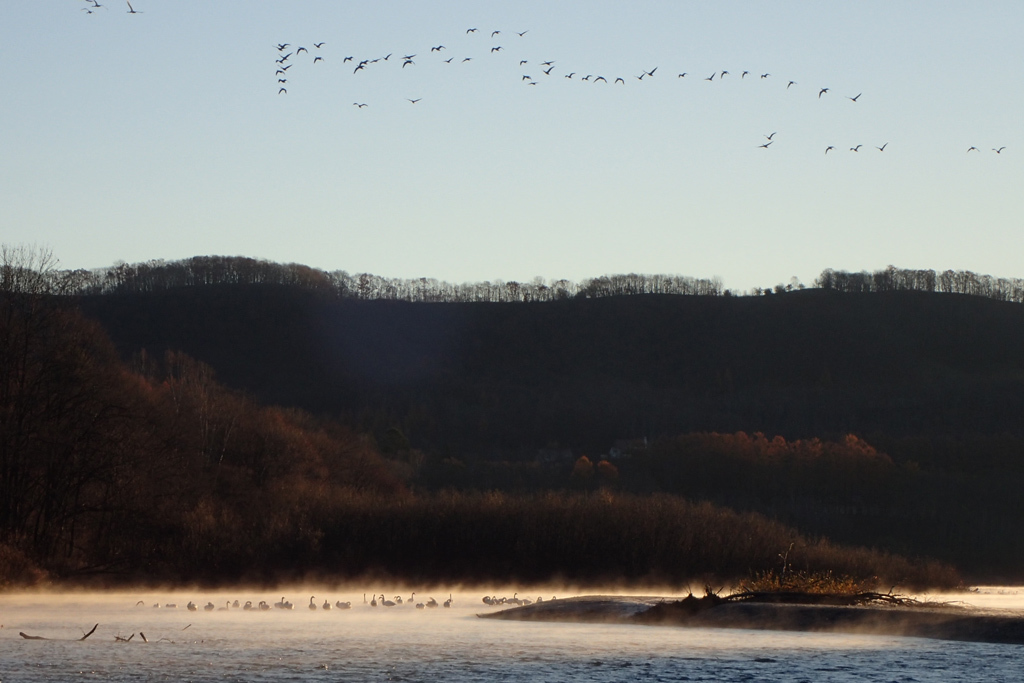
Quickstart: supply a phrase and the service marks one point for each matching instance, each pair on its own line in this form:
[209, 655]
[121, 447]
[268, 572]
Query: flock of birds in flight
[283, 62]
[548, 67]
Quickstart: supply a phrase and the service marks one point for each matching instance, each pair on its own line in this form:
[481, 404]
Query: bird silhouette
[790, 83]
[282, 90]
[415, 101]
[711, 77]
[856, 149]
[619, 80]
[822, 92]
[494, 33]
[347, 59]
[523, 33]
[882, 148]
[682, 75]
[828, 148]
[972, 149]
[131, 10]
[302, 49]
[744, 74]
[437, 48]
[765, 75]
[496, 49]
[360, 105]
[318, 45]
[547, 71]
[771, 136]
[854, 99]
[600, 78]
[1000, 150]
[317, 59]
[470, 30]
[765, 145]
[651, 72]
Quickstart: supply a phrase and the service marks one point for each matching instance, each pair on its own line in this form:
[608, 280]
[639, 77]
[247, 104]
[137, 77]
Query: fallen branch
[28, 637]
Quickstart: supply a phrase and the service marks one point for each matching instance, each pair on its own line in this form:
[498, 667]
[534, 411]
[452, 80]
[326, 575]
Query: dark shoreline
[941, 622]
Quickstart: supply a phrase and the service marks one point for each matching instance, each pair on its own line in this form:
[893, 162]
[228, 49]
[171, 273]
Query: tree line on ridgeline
[160, 275]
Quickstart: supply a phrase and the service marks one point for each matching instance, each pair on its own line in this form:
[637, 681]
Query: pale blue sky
[163, 135]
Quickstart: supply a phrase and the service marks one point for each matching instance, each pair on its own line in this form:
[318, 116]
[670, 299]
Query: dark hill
[460, 378]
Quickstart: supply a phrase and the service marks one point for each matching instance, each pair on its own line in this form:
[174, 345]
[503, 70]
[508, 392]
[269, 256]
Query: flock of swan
[375, 601]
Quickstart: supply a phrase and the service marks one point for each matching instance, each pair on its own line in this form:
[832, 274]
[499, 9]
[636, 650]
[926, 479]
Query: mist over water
[403, 643]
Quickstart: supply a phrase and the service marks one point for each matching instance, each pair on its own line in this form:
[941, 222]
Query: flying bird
[437, 48]
[771, 136]
[318, 45]
[131, 10]
[548, 63]
[496, 49]
[972, 149]
[302, 49]
[599, 78]
[523, 33]
[854, 99]
[494, 33]
[682, 75]
[360, 105]
[722, 74]
[570, 75]
[523, 61]
[765, 145]
[470, 30]
[619, 80]
[711, 77]
[282, 90]
[744, 74]
[415, 101]
[548, 70]
[882, 148]
[790, 83]
[317, 59]
[651, 72]
[281, 46]
[1000, 150]
[347, 59]
[407, 63]
[765, 75]
[828, 148]
[822, 92]
[856, 149]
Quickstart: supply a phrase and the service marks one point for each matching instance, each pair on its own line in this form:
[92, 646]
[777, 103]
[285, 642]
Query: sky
[164, 134]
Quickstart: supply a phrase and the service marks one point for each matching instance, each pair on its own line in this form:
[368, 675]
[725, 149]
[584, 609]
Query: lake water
[402, 643]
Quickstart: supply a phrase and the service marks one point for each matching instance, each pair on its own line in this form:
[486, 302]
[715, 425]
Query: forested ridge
[886, 418]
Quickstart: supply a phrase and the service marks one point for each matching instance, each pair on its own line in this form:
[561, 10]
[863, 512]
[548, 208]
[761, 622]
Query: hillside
[473, 377]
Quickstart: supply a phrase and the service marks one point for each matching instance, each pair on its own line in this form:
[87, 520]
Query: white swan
[327, 604]
[343, 605]
[191, 606]
[431, 602]
[311, 605]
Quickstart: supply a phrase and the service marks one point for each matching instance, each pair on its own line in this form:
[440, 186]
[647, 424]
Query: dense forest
[211, 426]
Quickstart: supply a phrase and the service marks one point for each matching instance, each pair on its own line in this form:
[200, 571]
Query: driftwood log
[28, 637]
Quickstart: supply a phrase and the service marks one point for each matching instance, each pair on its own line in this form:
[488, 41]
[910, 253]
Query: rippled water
[402, 643]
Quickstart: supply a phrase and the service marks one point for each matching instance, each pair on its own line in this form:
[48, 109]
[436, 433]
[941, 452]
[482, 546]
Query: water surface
[402, 643]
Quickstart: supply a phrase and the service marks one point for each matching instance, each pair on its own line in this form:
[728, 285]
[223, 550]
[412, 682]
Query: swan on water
[311, 605]
[191, 606]
[343, 605]
[327, 604]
